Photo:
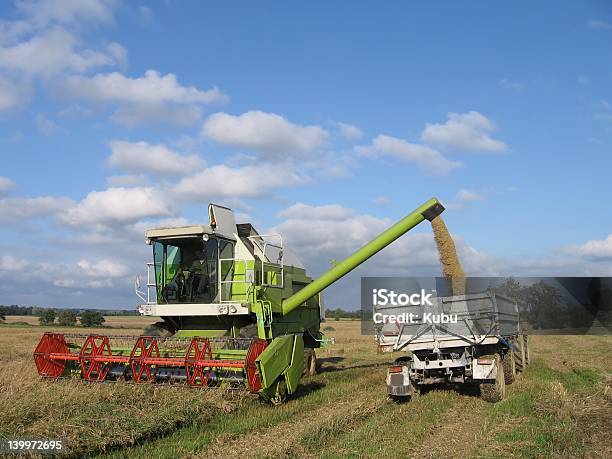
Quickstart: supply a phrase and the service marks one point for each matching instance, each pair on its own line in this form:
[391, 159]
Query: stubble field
[561, 406]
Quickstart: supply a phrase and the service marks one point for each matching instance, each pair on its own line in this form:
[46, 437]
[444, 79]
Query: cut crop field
[561, 406]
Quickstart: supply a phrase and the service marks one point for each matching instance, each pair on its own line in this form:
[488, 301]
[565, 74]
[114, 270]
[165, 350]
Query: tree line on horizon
[15, 310]
[63, 317]
[339, 313]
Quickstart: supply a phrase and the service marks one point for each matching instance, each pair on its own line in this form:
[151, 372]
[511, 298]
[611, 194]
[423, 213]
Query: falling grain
[451, 266]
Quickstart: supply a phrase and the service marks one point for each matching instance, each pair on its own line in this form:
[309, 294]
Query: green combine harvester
[237, 309]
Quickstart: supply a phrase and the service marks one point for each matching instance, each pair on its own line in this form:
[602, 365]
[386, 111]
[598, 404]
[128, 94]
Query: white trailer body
[481, 341]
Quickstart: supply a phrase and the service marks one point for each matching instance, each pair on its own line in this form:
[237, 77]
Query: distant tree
[67, 318]
[2, 314]
[46, 317]
[92, 319]
[512, 289]
[339, 313]
[547, 308]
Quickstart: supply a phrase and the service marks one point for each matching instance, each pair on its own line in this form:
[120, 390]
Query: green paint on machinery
[237, 309]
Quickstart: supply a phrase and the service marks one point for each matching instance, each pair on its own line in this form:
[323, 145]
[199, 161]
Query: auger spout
[428, 211]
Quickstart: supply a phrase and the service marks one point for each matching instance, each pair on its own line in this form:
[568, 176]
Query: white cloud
[41, 14]
[148, 89]
[16, 209]
[75, 111]
[463, 197]
[62, 283]
[426, 158]
[44, 42]
[263, 131]
[509, 84]
[596, 248]
[318, 234]
[12, 95]
[126, 180]
[321, 233]
[55, 51]
[325, 212]
[151, 98]
[146, 13]
[348, 131]
[470, 196]
[464, 131]
[45, 125]
[118, 205]
[380, 200]
[6, 184]
[328, 228]
[12, 264]
[156, 159]
[248, 181]
[598, 24]
[118, 53]
[141, 226]
[104, 283]
[157, 113]
[103, 268]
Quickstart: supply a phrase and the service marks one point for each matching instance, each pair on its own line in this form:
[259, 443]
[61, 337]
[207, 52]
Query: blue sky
[323, 120]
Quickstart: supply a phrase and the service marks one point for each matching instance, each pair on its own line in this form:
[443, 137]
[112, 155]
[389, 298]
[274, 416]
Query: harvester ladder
[150, 285]
[277, 268]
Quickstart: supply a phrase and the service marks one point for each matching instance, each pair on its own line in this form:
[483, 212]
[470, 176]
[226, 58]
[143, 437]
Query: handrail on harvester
[428, 211]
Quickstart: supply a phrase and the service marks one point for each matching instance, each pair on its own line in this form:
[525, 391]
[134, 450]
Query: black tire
[415, 392]
[248, 331]
[157, 329]
[509, 366]
[399, 399]
[310, 362]
[281, 393]
[314, 364]
[519, 353]
[494, 391]
[526, 349]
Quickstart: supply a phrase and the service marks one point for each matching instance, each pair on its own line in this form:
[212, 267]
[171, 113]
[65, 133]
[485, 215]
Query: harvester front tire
[509, 366]
[310, 362]
[494, 391]
[280, 393]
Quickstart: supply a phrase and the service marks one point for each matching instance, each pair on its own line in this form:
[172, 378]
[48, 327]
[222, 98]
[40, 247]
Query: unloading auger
[237, 310]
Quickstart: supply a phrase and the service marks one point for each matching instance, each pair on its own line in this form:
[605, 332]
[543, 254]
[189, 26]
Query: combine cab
[237, 309]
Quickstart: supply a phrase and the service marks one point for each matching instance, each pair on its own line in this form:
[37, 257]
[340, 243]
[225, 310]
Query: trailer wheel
[509, 366]
[494, 391]
[399, 399]
[519, 353]
[415, 390]
[310, 362]
[526, 349]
